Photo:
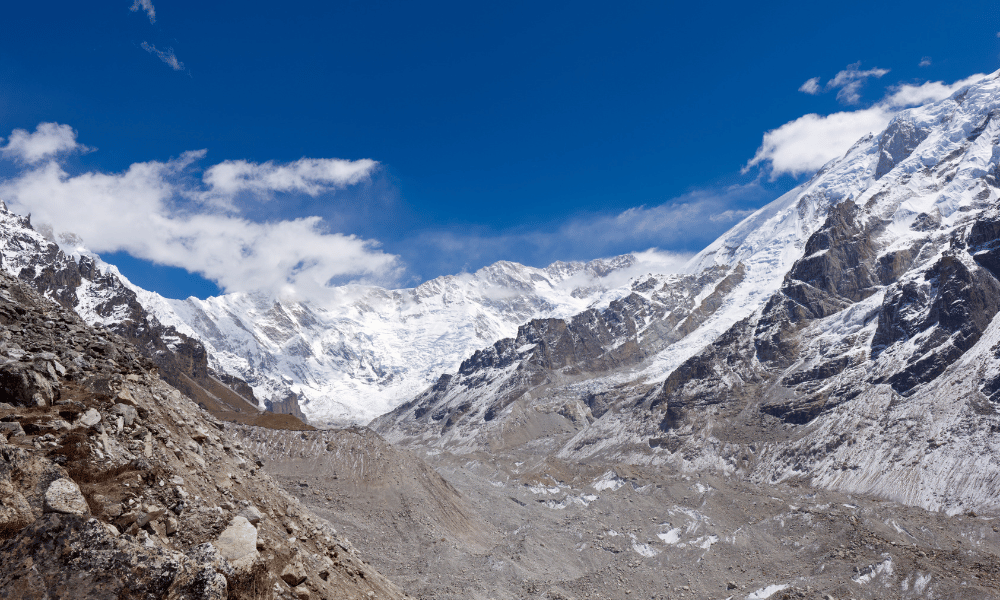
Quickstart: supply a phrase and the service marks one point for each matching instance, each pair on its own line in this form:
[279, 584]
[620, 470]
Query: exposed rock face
[99, 509]
[102, 297]
[552, 353]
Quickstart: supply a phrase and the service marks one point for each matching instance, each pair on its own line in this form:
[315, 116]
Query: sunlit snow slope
[370, 349]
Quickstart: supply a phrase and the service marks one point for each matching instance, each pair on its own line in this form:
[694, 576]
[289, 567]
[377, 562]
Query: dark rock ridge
[549, 353]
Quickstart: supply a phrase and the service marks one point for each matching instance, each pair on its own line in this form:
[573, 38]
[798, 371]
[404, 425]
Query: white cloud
[925, 62]
[48, 139]
[811, 86]
[909, 94]
[146, 5]
[168, 57]
[307, 175]
[850, 80]
[148, 212]
[809, 142]
[731, 216]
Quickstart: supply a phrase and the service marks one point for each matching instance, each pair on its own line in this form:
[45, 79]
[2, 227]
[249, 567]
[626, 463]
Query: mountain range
[846, 326]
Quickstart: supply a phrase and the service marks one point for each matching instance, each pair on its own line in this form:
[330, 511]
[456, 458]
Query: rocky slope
[81, 282]
[115, 485]
[852, 343]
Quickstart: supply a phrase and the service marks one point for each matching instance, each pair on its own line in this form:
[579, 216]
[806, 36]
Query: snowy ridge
[374, 348]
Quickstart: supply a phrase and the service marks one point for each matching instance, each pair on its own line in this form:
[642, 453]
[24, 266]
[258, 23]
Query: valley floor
[549, 529]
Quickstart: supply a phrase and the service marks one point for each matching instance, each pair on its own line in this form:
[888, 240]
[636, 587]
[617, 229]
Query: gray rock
[64, 496]
[252, 514]
[294, 573]
[89, 418]
[11, 428]
[150, 513]
[128, 413]
[238, 543]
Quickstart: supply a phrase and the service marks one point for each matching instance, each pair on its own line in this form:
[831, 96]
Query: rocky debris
[294, 573]
[158, 499]
[69, 556]
[64, 496]
[542, 528]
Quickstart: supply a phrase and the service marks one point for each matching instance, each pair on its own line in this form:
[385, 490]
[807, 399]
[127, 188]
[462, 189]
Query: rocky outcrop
[117, 485]
[548, 354]
[100, 296]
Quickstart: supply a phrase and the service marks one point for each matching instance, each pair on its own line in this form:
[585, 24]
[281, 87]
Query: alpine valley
[808, 408]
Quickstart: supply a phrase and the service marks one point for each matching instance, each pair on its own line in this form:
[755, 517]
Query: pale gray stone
[238, 543]
[64, 496]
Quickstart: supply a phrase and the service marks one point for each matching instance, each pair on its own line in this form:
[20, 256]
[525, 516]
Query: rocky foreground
[115, 485]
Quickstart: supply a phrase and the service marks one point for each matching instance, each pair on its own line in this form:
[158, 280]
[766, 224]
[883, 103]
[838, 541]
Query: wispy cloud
[809, 142]
[686, 223]
[310, 176]
[925, 62]
[168, 57]
[849, 82]
[162, 212]
[146, 5]
[811, 86]
[47, 141]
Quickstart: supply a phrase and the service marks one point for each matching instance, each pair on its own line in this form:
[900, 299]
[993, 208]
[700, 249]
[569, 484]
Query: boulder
[238, 543]
[89, 418]
[25, 386]
[294, 573]
[252, 514]
[64, 496]
[11, 428]
[126, 412]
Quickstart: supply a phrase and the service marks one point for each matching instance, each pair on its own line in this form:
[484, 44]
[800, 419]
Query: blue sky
[522, 131]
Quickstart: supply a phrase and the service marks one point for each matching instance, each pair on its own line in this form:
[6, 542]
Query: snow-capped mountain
[373, 348]
[851, 343]
[346, 361]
